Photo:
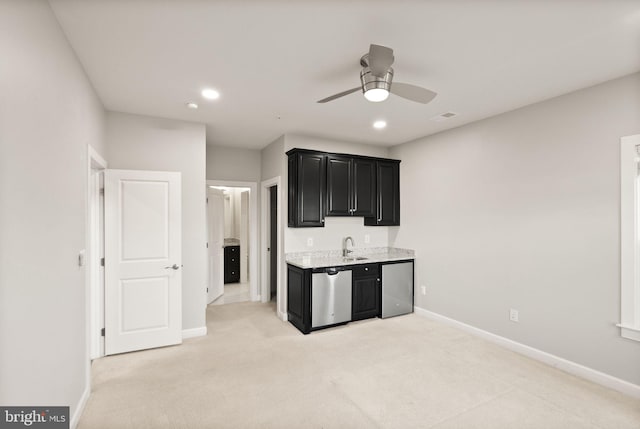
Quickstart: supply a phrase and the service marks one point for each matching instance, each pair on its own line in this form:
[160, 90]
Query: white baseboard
[194, 332]
[547, 358]
[80, 407]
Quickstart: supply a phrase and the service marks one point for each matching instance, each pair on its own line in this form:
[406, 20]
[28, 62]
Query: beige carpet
[254, 371]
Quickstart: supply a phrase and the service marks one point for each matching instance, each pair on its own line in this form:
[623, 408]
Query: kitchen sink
[354, 258]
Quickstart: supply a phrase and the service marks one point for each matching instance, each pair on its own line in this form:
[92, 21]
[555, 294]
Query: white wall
[335, 146]
[144, 143]
[48, 114]
[274, 161]
[522, 211]
[226, 163]
[336, 228]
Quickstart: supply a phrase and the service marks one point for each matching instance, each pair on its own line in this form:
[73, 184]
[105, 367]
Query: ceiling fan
[376, 80]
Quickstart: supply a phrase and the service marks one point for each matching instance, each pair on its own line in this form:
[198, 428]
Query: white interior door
[143, 280]
[244, 236]
[216, 225]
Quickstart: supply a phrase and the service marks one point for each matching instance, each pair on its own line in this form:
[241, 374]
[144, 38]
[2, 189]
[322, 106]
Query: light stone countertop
[333, 258]
[231, 242]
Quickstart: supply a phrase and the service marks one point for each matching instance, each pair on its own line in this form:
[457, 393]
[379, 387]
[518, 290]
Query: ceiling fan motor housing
[369, 81]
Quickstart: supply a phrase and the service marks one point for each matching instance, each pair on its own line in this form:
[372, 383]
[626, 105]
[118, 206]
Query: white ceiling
[272, 60]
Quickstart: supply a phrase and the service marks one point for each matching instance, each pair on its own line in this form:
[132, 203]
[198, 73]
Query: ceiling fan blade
[340, 94]
[412, 92]
[380, 59]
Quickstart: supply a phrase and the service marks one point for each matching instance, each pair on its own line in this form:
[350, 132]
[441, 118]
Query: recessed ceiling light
[192, 105]
[210, 94]
[379, 124]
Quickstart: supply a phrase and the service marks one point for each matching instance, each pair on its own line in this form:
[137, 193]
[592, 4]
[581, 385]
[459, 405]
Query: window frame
[629, 238]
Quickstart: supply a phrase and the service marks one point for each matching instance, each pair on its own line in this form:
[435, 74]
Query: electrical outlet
[513, 315]
[424, 289]
[367, 239]
[310, 242]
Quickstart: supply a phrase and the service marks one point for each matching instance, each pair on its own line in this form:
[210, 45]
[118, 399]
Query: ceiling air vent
[444, 116]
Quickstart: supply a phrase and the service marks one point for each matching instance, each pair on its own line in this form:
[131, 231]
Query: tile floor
[233, 292]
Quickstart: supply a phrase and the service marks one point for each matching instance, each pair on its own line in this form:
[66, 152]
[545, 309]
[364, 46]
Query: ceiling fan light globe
[376, 94]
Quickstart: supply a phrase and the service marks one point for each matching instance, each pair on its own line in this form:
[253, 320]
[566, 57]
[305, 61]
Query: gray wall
[144, 143]
[273, 160]
[226, 163]
[522, 211]
[49, 113]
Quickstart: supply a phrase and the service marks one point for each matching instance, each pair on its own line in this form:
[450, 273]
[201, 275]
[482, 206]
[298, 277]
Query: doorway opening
[272, 249]
[232, 224]
[96, 166]
[273, 242]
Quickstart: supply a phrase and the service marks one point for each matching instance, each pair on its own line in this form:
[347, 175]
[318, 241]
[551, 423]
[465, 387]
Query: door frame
[254, 292]
[94, 275]
[265, 185]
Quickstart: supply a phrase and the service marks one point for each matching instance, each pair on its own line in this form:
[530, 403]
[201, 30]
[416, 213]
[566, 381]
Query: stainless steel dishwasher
[330, 296]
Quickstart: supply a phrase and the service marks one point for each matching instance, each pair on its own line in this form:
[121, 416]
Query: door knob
[173, 267]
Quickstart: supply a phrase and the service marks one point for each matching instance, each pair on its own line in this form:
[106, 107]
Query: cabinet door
[339, 186]
[387, 195]
[307, 181]
[364, 187]
[298, 299]
[232, 264]
[366, 293]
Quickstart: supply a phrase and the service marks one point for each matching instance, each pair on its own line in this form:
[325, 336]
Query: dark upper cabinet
[307, 184]
[342, 185]
[387, 194]
[350, 186]
[338, 186]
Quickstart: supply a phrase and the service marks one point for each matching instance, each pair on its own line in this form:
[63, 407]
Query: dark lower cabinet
[232, 264]
[299, 298]
[366, 292]
[367, 297]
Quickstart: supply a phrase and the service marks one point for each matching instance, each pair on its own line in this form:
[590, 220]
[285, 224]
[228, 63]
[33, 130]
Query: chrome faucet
[346, 252]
